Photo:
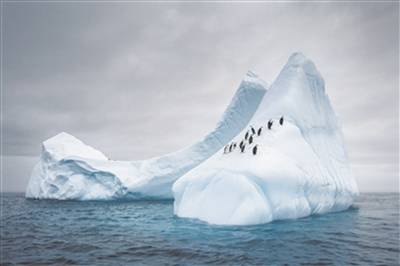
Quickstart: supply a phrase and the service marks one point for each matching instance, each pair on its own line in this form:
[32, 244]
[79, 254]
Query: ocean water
[147, 233]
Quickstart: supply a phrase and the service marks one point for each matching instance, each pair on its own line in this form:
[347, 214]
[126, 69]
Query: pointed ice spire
[299, 94]
[299, 61]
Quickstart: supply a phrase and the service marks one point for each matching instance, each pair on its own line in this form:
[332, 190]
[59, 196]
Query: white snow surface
[300, 168]
[70, 169]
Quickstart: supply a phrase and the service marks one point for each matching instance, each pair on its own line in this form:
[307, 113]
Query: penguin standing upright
[225, 149]
[242, 148]
[230, 147]
[270, 122]
[251, 139]
[281, 121]
[247, 135]
[253, 130]
[259, 131]
[241, 144]
[255, 150]
[234, 145]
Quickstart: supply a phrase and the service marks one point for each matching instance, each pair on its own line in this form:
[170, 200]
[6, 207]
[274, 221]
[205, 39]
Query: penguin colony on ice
[249, 139]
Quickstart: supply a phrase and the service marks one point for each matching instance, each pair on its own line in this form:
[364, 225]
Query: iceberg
[70, 169]
[277, 153]
[288, 162]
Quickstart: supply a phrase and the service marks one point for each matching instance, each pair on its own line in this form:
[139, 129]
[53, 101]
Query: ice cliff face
[70, 169]
[298, 168]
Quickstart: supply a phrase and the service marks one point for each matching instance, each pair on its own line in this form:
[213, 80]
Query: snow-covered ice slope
[69, 169]
[300, 167]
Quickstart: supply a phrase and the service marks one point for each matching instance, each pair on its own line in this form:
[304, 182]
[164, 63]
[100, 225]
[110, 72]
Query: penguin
[255, 150]
[251, 139]
[242, 148]
[259, 131]
[233, 146]
[225, 149]
[253, 130]
[247, 135]
[281, 121]
[241, 143]
[230, 147]
[270, 122]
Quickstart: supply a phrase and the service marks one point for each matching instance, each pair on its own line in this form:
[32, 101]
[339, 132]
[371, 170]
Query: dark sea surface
[147, 233]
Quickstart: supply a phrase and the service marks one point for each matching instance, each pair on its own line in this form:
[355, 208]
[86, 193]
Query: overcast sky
[136, 80]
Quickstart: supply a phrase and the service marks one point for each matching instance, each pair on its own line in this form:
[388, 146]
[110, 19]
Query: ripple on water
[126, 232]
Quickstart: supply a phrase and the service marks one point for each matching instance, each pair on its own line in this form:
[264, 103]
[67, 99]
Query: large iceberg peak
[288, 162]
[300, 67]
[299, 94]
[299, 60]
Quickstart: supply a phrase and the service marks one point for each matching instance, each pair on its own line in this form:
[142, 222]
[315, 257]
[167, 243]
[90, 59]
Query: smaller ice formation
[70, 169]
[288, 162]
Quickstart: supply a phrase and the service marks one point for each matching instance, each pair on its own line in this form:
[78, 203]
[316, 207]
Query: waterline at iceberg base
[277, 153]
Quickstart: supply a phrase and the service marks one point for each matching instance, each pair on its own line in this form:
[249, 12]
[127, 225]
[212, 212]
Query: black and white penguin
[247, 135]
[281, 121]
[255, 150]
[253, 130]
[243, 148]
[259, 131]
[241, 143]
[225, 149]
[233, 146]
[230, 147]
[251, 139]
[270, 122]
